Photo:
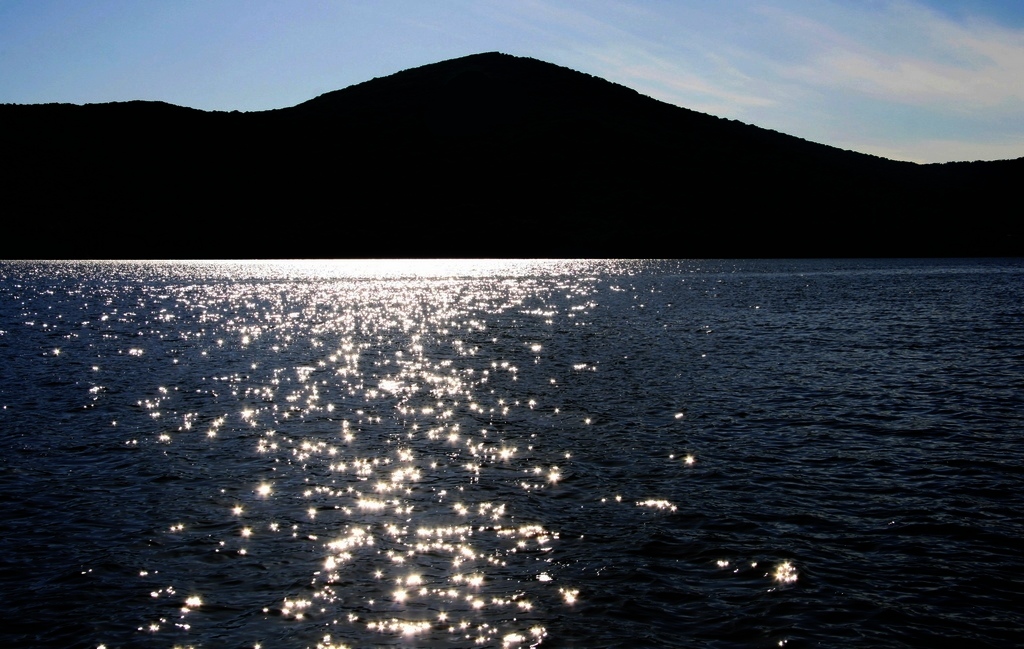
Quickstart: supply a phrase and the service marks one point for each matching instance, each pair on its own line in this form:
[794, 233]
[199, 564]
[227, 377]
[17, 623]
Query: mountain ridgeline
[483, 156]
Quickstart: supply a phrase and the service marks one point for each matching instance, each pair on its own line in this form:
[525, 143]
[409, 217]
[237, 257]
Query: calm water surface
[518, 454]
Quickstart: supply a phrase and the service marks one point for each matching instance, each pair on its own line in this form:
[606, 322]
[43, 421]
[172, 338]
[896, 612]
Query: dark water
[584, 454]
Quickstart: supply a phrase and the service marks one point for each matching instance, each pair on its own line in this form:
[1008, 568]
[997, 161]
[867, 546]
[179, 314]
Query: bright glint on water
[511, 453]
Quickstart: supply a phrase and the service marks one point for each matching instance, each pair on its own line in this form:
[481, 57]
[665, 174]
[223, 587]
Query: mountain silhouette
[482, 156]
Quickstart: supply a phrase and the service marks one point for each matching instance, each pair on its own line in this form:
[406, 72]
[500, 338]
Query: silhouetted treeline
[488, 155]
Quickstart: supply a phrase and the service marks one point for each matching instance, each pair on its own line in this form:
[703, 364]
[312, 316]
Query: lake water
[484, 454]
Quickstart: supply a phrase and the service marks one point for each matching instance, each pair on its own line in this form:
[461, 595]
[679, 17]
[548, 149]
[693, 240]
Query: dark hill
[487, 155]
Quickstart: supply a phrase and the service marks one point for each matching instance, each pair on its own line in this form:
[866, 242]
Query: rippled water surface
[467, 454]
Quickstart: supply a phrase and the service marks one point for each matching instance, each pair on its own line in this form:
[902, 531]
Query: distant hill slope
[486, 155]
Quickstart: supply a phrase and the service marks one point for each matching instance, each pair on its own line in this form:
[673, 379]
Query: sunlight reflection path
[387, 437]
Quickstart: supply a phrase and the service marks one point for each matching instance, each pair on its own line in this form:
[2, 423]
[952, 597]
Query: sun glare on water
[389, 439]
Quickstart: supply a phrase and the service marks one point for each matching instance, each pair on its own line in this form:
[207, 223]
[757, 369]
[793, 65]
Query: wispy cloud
[942, 150]
[925, 59]
[896, 79]
[891, 77]
[652, 51]
[666, 78]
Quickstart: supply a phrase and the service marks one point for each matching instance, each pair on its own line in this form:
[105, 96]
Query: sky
[918, 80]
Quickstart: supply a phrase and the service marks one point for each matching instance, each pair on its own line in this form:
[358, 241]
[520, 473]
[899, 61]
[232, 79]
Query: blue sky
[921, 80]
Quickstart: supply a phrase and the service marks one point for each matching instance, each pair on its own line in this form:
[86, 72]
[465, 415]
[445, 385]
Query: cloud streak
[876, 77]
[932, 61]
